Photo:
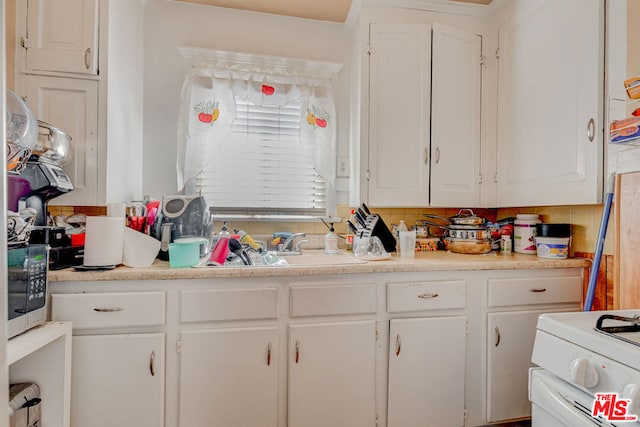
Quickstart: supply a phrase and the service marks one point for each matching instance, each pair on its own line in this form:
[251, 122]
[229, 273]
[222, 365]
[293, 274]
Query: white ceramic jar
[524, 233]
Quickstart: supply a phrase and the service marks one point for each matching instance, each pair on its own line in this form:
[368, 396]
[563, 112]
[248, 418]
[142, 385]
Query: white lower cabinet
[511, 334]
[426, 372]
[309, 352]
[427, 354]
[511, 343]
[118, 380]
[229, 377]
[332, 374]
[118, 367]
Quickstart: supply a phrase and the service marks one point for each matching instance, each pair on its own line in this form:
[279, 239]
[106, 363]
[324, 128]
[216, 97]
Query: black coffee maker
[47, 181]
[181, 216]
[43, 171]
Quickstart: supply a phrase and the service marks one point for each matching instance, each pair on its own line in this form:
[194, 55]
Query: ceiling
[324, 10]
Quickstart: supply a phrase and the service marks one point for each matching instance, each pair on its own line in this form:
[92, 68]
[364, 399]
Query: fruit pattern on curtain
[208, 110]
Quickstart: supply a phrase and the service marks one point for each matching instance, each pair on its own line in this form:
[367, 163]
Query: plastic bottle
[331, 241]
[221, 249]
[505, 244]
[524, 233]
[247, 240]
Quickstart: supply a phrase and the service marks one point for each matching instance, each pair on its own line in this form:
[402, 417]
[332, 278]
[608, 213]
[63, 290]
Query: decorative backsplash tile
[585, 220]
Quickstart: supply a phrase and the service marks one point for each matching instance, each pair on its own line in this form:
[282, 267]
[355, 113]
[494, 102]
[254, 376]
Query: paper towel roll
[103, 241]
[117, 209]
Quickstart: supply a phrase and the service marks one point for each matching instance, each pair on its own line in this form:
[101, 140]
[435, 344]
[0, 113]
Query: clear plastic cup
[407, 243]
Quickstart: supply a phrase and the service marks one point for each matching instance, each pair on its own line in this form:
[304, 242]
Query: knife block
[375, 226]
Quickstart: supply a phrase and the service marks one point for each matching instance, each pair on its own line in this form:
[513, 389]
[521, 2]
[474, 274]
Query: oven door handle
[549, 399]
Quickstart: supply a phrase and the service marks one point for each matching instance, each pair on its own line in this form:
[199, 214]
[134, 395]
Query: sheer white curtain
[208, 111]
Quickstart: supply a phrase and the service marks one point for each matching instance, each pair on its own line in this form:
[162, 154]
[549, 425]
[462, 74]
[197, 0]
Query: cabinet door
[229, 377]
[118, 380]
[550, 138]
[71, 105]
[62, 36]
[511, 336]
[399, 105]
[455, 117]
[427, 372]
[332, 375]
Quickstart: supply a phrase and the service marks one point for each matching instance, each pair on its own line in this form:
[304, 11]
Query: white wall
[169, 25]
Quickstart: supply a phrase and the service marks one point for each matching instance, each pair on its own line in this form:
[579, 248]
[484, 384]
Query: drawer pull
[497, 341]
[297, 351]
[108, 310]
[427, 296]
[269, 354]
[538, 290]
[152, 368]
[398, 345]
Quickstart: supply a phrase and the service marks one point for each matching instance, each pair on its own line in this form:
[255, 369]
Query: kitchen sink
[320, 258]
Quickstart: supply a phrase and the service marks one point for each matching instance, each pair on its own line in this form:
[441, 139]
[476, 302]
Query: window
[260, 168]
[257, 137]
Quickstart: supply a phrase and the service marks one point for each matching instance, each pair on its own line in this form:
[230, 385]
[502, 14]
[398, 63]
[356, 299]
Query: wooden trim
[603, 298]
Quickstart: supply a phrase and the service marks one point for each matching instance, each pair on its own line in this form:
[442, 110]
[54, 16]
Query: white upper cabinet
[72, 105]
[549, 123]
[102, 111]
[455, 117]
[424, 116]
[62, 35]
[399, 110]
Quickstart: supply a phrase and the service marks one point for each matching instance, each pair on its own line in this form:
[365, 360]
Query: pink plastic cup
[220, 251]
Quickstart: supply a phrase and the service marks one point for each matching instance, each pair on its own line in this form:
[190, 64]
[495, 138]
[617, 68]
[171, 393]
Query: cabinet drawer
[534, 290]
[426, 296]
[110, 310]
[327, 300]
[228, 304]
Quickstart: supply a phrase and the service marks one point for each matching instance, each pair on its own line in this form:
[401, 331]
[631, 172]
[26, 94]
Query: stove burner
[632, 326]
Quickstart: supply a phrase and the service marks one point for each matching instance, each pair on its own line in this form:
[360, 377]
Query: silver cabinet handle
[538, 290]
[591, 129]
[152, 359]
[398, 345]
[426, 156]
[497, 341]
[87, 54]
[427, 296]
[269, 354]
[297, 351]
[437, 155]
[108, 310]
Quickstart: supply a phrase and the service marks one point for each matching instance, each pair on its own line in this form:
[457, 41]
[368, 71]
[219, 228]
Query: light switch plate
[342, 171]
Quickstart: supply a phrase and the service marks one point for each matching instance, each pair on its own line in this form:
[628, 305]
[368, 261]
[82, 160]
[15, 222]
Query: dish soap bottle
[331, 241]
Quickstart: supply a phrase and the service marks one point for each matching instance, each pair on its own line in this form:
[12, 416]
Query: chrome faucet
[286, 247]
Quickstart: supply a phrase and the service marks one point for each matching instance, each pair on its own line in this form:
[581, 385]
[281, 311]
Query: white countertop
[423, 261]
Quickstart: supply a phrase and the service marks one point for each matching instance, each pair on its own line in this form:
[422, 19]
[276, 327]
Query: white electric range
[589, 369]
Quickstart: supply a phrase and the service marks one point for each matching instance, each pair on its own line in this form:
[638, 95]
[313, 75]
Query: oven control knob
[583, 373]
[632, 391]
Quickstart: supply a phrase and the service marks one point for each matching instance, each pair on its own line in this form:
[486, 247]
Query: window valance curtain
[208, 110]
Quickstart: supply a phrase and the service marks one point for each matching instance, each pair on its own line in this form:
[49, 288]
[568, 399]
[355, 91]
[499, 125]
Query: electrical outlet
[343, 167]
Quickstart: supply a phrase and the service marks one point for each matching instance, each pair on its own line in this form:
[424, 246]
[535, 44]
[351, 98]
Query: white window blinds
[257, 134]
[260, 167]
